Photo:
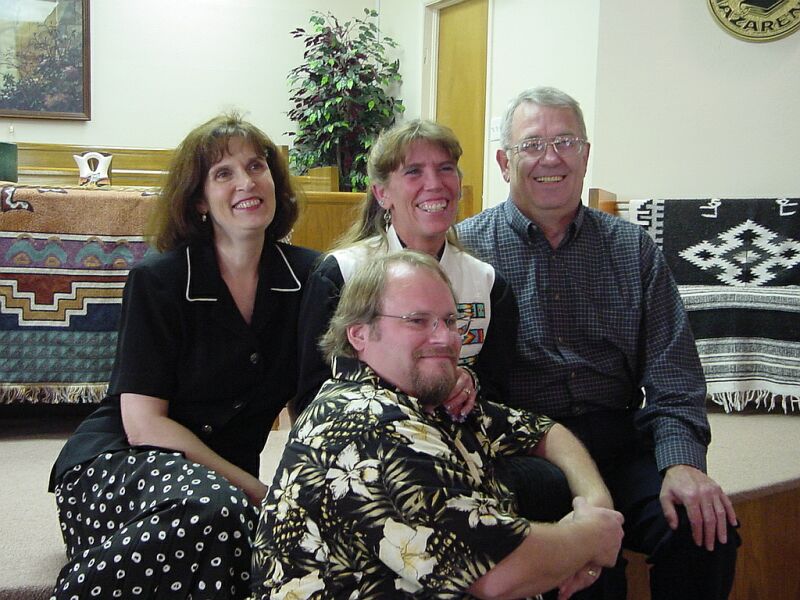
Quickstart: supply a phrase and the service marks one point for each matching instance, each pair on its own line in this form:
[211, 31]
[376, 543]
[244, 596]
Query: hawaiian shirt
[376, 498]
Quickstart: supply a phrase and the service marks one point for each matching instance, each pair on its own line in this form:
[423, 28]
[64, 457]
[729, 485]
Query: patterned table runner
[64, 257]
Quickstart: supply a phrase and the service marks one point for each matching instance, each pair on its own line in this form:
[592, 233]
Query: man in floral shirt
[379, 494]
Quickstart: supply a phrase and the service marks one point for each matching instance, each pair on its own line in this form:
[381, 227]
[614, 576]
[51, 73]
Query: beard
[431, 389]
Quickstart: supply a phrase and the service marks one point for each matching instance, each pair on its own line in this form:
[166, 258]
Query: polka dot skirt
[146, 523]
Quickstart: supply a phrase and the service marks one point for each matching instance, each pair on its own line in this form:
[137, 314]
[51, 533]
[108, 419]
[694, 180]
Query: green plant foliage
[341, 95]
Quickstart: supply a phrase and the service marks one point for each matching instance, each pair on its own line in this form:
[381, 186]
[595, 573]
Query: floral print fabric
[376, 498]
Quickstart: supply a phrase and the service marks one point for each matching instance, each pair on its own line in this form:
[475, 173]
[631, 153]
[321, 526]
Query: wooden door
[461, 89]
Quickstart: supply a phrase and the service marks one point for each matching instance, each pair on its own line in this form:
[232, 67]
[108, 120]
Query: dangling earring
[203, 217]
[387, 219]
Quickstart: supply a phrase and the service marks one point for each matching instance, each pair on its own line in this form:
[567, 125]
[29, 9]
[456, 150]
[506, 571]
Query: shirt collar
[203, 279]
[345, 368]
[396, 244]
[527, 229]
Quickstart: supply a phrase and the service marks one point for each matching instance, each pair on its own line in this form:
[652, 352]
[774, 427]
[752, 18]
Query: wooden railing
[54, 165]
[325, 213]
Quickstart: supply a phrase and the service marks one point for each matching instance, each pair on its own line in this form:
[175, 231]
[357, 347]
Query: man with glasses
[380, 494]
[605, 348]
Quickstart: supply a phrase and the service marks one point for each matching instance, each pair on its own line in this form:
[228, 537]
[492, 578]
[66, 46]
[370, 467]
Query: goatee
[432, 391]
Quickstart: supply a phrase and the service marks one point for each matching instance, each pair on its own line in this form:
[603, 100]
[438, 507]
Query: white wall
[534, 43]
[675, 106]
[402, 20]
[160, 67]
[686, 110]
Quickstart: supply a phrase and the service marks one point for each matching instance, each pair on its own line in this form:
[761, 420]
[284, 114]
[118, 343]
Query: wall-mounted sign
[757, 20]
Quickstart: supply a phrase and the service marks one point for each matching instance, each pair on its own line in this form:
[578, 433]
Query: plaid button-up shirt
[602, 326]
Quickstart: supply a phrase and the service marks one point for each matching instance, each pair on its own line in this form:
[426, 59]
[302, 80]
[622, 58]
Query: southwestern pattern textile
[64, 256]
[737, 264]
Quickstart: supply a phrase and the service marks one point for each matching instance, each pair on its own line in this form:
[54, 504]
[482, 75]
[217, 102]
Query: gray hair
[541, 96]
[362, 297]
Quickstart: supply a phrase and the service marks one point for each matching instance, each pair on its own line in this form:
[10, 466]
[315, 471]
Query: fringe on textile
[738, 401]
[53, 394]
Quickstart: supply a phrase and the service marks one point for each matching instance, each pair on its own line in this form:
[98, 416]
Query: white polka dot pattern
[151, 524]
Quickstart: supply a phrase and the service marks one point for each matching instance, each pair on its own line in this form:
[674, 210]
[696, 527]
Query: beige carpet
[751, 455]
[31, 547]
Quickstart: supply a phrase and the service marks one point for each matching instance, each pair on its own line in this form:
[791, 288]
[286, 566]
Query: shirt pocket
[608, 310]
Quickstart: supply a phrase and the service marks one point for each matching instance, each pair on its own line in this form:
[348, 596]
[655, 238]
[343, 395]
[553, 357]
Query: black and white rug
[737, 264]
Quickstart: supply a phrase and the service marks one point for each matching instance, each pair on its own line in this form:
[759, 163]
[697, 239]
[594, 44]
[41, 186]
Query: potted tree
[342, 95]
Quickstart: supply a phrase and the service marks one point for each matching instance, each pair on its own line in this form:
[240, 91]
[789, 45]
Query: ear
[379, 191]
[201, 206]
[586, 155]
[357, 335]
[502, 159]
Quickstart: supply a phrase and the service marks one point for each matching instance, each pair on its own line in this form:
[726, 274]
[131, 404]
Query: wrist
[476, 384]
[600, 500]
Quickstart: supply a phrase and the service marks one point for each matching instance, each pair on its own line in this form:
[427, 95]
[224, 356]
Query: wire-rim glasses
[428, 322]
[564, 145]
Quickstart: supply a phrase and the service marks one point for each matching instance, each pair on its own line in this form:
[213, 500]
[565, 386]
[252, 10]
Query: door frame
[430, 59]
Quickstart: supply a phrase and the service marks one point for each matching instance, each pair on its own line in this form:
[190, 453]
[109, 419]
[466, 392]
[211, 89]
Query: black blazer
[182, 338]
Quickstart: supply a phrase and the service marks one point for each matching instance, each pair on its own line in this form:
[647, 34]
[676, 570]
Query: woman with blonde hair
[412, 202]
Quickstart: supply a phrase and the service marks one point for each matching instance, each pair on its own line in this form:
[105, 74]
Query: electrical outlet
[494, 129]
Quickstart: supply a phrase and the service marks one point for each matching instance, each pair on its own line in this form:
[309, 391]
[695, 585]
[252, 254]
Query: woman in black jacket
[157, 489]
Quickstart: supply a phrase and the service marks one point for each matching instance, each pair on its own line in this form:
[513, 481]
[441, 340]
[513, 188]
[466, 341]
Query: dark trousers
[680, 569]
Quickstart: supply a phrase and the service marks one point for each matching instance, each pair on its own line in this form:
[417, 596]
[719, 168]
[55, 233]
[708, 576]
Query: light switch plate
[494, 129]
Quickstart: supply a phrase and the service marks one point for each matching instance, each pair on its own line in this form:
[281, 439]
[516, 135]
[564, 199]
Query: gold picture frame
[44, 59]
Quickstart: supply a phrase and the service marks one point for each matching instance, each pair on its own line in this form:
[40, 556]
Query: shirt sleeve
[672, 376]
[495, 359]
[149, 336]
[320, 299]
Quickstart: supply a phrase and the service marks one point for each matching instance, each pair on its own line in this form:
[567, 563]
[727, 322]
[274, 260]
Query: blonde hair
[362, 297]
[387, 154]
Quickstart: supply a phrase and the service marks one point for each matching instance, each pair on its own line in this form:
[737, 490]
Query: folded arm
[554, 552]
[563, 449]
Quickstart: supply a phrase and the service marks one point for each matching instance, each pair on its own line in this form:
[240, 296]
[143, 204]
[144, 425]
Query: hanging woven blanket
[737, 264]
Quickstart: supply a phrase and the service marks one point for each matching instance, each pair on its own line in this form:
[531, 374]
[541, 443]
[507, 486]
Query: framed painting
[44, 59]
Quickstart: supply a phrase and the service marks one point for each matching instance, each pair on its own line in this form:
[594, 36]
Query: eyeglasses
[427, 322]
[564, 145]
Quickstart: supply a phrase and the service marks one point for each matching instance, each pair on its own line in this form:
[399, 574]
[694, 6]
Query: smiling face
[549, 187]
[238, 193]
[420, 363]
[422, 195]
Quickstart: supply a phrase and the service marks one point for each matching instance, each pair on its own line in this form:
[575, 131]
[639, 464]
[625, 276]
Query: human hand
[708, 508]
[462, 397]
[586, 576]
[607, 534]
[256, 492]
[607, 530]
